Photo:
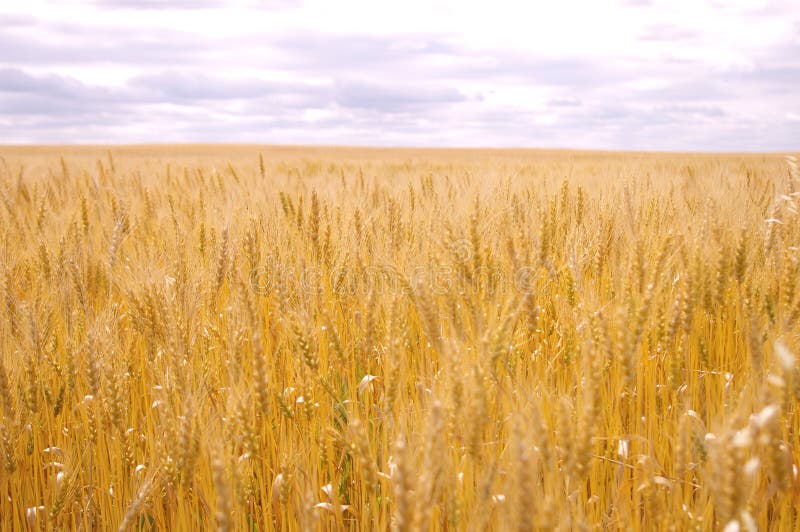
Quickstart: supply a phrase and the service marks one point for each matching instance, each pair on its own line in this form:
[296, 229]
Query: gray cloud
[539, 71]
[708, 111]
[24, 94]
[394, 98]
[14, 80]
[198, 107]
[770, 79]
[676, 89]
[188, 87]
[92, 46]
[183, 87]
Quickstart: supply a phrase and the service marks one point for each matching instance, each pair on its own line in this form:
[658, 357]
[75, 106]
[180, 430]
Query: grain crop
[257, 338]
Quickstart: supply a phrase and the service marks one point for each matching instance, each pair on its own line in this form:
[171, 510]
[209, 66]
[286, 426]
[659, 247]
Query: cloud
[19, 82]
[12, 20]
[670, 33]
[16, 80]
[34, 99]
[320, 52]
[202, 107]
[564, 102]
[192, 4]
[775, 71]
[707, 111]
[159, 4]
[98, 46]
[536, 70]
[198, 87]
[394, 98]
[772, 79]
[186, 70]
[686, 91]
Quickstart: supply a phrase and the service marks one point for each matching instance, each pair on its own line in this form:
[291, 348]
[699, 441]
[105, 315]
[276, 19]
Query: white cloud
[650, 74]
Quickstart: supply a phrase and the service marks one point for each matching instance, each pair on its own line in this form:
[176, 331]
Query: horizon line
[372, 147]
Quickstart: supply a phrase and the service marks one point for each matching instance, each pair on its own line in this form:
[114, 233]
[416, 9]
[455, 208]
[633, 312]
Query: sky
[698, 75]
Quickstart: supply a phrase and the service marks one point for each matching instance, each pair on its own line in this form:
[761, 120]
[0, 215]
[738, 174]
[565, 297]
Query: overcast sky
[619, 74]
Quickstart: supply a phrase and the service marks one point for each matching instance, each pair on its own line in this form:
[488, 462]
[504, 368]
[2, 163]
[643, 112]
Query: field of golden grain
[256, 338]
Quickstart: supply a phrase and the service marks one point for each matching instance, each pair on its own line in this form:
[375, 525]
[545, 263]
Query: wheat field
[258, 338]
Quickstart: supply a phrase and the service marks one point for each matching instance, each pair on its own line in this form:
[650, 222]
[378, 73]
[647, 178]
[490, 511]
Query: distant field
[256, 337]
